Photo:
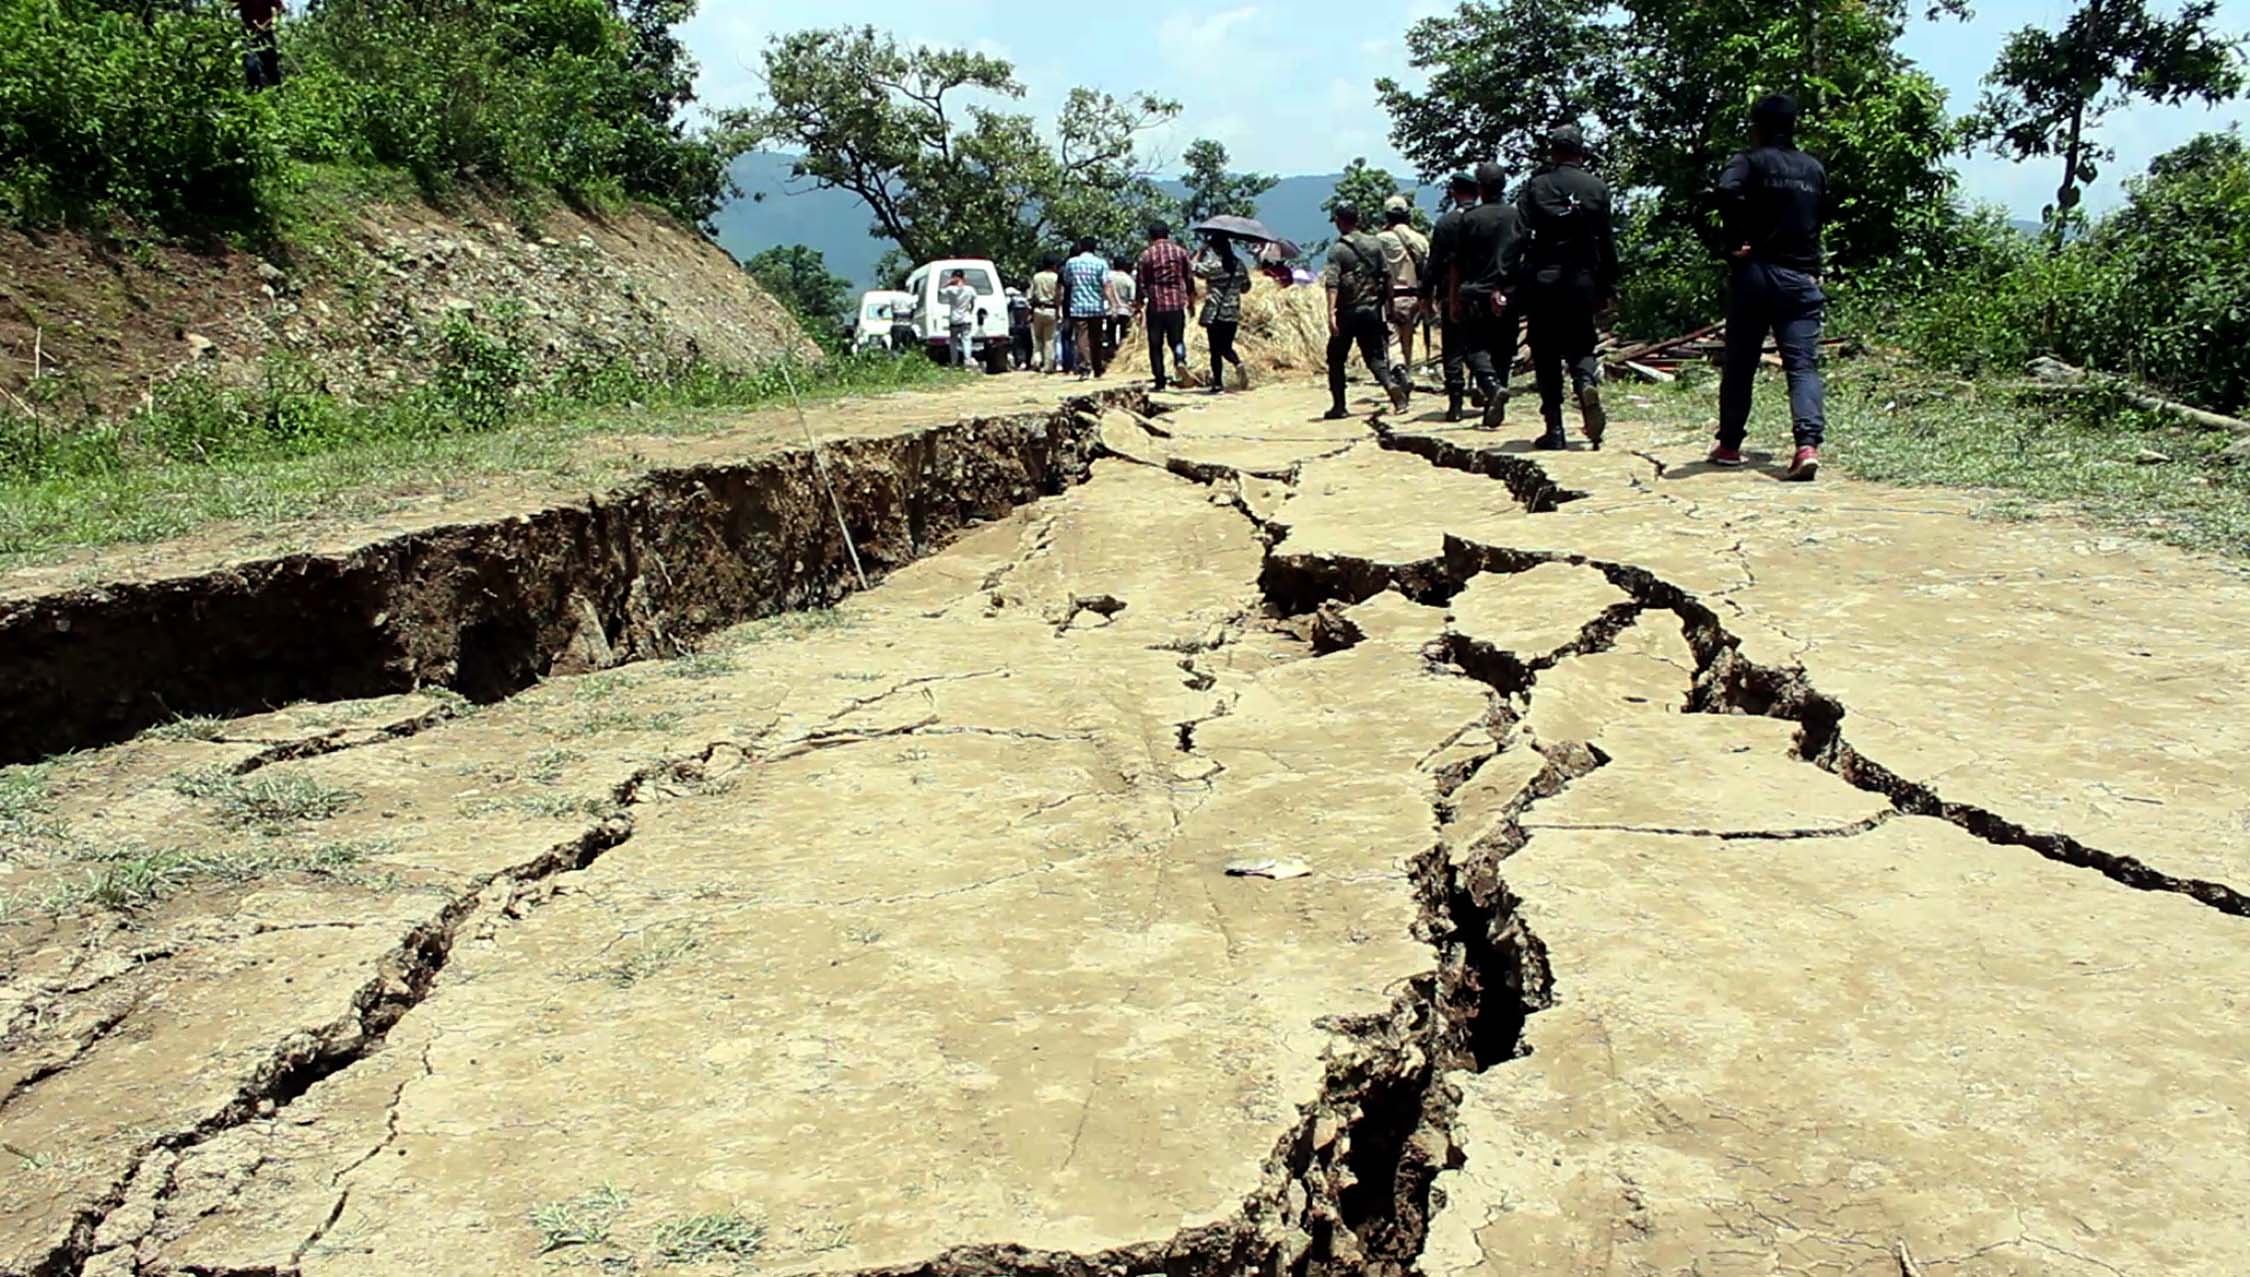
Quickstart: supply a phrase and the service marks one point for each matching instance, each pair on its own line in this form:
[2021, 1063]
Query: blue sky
[1287, 84]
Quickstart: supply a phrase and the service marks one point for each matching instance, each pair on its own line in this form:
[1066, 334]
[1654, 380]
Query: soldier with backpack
[1359, 295]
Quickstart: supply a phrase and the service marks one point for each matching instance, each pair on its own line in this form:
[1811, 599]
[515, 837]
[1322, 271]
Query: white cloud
[1192, 34]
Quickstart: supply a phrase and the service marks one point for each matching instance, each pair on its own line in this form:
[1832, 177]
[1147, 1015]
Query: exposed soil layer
[485, 609]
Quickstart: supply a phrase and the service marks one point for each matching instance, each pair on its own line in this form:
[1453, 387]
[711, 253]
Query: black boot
[1593, 418]
[1495, 407]
[1554, 440]
[1338, 413]
[1453, 405]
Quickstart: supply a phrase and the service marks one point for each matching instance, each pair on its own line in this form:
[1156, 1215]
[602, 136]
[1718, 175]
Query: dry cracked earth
[1651, 870]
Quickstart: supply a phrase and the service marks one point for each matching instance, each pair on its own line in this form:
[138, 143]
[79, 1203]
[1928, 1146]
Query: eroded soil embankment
[487, 608]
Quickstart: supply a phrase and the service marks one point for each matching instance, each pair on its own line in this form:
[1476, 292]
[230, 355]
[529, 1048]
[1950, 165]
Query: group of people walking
[1081, 308]
[1494, 273]
[1545, 266]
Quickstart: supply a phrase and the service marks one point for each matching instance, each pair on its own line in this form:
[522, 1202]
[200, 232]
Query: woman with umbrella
[1226, 277]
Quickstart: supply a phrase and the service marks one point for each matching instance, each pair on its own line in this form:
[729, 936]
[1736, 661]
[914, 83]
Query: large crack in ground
[487, 608]
[1726, 681]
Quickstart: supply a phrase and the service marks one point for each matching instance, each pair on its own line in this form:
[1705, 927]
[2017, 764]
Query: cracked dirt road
[1707, 875]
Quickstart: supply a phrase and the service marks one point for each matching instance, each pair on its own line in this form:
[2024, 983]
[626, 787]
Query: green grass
[703, 1239]
[123, 879]
[584, 1220]
[648, 954]
[203, 727]
[284, 451]
[26, 804]
[269, 802]
[2034, 456]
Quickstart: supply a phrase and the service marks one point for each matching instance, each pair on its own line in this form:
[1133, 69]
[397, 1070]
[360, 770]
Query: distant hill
[771, 211]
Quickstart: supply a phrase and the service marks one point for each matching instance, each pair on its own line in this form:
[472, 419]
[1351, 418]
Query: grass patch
[203, 727]
[700, 665]
[650, 953]
[703, 1239]
[268, 802]
[26, 804]
[618, 718]
[785, 625]
[284, 450]
[2104, 461]
[584, 1220]
[127, 878]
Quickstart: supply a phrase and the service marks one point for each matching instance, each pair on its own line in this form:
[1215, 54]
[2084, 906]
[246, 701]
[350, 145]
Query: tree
[799, 278]
[1501, 75]
[941, 174]
[1212, 189]
[1367, 189]
[1663, 89]
[2050, 89]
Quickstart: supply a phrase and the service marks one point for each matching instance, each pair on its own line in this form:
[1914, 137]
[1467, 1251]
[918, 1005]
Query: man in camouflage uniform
[1359, 287]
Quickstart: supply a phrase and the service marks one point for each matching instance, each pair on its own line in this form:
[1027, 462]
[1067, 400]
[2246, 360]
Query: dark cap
[1460, 182]
[1490, 174]
[1343, 213]
[1776, 111]
[1567, 137]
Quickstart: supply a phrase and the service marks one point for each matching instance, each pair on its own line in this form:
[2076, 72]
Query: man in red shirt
[261, 64]
[1164, 288]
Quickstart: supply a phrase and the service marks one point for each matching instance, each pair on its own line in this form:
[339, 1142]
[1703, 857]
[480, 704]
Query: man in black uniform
[1438, 286]
[1570, 270]
[1486, 265]
[1359, 292]
[1772, 198]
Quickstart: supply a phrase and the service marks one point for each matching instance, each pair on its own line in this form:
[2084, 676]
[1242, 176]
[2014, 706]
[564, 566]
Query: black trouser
[1488, 346]
[1364, 325]
[261, 64]
[1456, 344]
[1761, 299]
[1167, 330]
[1560, 312]
[1221, 337]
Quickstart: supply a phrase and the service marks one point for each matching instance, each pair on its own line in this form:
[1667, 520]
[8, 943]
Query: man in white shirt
[960, 302]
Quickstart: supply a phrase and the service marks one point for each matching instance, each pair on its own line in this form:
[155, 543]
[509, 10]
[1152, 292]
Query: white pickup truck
[927, 316]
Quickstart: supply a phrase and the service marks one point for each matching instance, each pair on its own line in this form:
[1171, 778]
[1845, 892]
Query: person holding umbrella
[1226, 277]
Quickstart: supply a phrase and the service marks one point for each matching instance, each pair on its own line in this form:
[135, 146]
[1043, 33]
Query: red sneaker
[1806, 465]
[1725, 455]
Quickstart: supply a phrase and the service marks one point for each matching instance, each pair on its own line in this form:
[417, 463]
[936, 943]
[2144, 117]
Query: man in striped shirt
[1164, 280]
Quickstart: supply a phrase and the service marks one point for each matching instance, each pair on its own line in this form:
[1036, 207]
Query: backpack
[1361, 278]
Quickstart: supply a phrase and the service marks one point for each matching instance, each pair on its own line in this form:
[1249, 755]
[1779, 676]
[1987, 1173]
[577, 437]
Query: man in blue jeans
[1772, 199]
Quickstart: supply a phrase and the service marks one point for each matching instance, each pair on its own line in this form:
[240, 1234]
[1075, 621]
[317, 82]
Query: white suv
[927, 316]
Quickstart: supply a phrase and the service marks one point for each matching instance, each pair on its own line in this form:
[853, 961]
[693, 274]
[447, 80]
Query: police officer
[1486, 262]
[1359, 291]
[1570, 274]
[1772, 199]
[1439, 282]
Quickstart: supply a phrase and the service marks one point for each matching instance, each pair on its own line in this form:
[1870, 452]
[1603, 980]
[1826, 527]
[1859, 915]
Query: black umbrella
[1249, 228]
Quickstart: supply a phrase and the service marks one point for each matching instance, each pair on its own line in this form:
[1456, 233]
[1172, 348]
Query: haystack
[1284, 334]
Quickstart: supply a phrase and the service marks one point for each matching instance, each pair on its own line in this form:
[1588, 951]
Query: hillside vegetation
[141, 110]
